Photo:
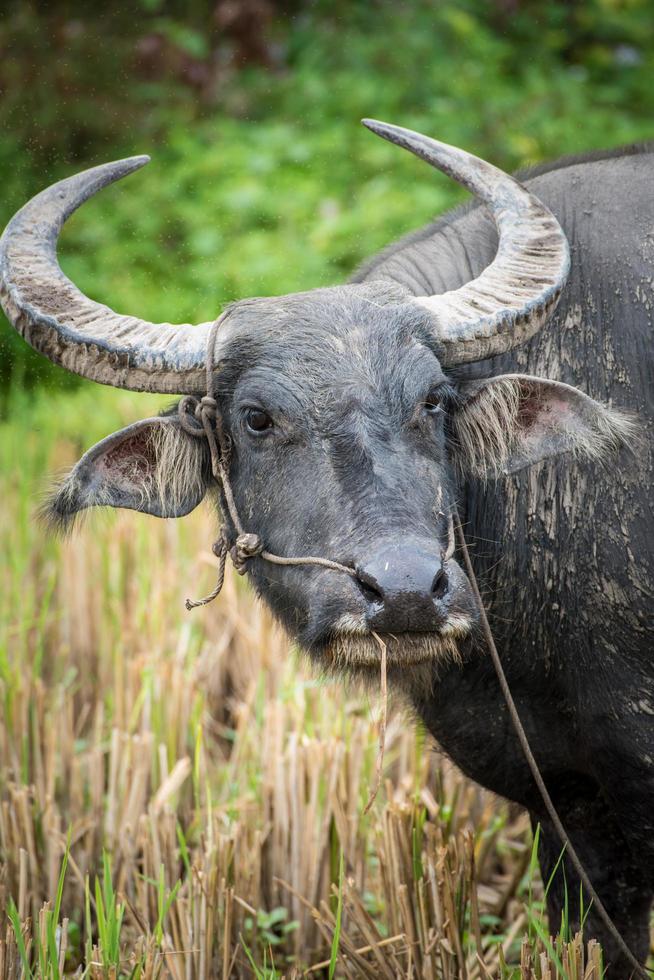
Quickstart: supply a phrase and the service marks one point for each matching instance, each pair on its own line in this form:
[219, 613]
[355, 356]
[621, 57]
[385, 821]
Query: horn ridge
[76, 332]
[517, 293]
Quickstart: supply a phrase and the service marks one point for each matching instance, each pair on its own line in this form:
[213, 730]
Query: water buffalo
[357, 415]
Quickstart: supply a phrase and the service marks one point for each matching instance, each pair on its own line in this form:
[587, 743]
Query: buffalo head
[349, 430]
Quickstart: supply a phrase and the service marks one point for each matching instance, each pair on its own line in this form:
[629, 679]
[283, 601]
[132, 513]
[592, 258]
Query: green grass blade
[336, 940]
[544, 937]
[60, 882]
[14, 918]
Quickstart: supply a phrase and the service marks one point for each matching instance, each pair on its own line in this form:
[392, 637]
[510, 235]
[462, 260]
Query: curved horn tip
[112, 171]
[409, 139]
[140, 159]
[135, 163]
[387, 131]
[376, 125]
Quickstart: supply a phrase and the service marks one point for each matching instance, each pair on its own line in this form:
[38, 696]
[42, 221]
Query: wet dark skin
[564, 555]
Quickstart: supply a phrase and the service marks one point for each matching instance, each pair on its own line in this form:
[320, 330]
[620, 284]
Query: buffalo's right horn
[69, 328]
[515, 295]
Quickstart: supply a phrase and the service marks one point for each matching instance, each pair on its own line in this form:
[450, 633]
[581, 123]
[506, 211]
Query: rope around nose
[200, 418]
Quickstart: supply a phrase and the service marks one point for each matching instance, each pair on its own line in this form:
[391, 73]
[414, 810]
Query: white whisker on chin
[352, 644]
[351, 624]
[457, 626]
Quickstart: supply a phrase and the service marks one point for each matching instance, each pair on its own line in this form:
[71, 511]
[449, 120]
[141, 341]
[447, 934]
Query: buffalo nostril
[440, 584]
[369, 587]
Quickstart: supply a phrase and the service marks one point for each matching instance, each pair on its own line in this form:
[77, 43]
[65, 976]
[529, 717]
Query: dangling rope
[383, 716]
[200, 418]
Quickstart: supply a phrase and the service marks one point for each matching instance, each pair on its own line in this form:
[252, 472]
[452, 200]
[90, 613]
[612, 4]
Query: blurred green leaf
[262, 180]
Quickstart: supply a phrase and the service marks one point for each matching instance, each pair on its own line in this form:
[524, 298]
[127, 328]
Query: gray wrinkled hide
[565, 553]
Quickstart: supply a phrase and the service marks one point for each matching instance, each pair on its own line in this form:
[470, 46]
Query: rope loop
[220, 550]
[206, 406]
[246, 546]
[187, 413]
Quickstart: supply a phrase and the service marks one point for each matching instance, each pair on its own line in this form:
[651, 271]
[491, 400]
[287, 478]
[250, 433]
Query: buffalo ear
[152, 466]
[502, 425]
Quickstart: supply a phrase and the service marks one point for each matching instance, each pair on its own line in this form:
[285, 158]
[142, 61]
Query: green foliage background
[262, 179]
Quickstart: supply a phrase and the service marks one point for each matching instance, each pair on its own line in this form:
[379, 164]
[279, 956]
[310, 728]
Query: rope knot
[197, 414]
[207, 406]
[188, 412]
[246, 546]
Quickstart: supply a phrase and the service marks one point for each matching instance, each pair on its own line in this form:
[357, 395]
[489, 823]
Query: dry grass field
[180, 796]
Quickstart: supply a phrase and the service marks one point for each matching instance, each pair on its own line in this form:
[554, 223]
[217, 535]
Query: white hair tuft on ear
[506, 423]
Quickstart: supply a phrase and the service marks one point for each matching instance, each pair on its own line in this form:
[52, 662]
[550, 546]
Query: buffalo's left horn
[75, 331]
[514, 296]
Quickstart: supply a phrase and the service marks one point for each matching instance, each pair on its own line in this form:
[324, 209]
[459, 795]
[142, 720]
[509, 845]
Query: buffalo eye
[432, 404]
[258, 421]
[436, 402]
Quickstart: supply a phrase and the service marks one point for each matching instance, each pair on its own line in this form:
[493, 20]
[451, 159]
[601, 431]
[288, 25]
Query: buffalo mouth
[351, 646]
